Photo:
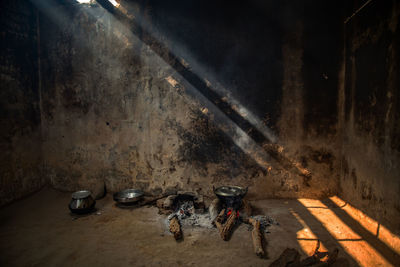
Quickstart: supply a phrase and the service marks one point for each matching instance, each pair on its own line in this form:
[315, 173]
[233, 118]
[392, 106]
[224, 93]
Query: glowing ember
[230, 212]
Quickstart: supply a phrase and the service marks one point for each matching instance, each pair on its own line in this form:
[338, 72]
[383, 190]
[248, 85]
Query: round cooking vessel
[128, 196]
[230, 195]
[82, 202]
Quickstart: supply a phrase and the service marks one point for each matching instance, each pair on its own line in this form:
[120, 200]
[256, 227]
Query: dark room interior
[200, 133]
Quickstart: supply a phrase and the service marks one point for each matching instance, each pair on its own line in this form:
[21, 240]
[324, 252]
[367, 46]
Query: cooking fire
[200, 133]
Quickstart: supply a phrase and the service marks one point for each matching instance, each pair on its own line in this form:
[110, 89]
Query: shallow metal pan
[128, 196]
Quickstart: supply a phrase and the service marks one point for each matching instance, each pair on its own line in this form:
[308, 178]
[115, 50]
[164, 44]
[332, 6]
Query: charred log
[175, 228]
[225, 229]
[257, 238]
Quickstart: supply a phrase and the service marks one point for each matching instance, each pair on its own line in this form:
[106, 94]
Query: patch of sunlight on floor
[306, 238]
[360, 250]
[381, 232]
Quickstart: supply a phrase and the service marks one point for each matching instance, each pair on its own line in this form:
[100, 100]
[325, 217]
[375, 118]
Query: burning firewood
[219, 220]
[220, 217]
[175, 228]
[226, 228]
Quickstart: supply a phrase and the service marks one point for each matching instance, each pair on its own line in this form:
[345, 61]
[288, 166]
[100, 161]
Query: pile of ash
[187, 215]
[265, 222]
[189, 209]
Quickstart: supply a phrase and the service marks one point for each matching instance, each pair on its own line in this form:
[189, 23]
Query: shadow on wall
[83, 96]
[235, 112]
[369, 113]
[21, 170]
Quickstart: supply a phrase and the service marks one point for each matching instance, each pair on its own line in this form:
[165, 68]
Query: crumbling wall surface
[20, 169]
[371, 113]
[115, 117]
[118, 112]
[308, 121]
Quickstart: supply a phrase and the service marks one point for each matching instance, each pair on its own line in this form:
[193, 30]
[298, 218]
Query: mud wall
[20, 169]
[370, 110]
[307, 125]
[184, 96]
[114, 118]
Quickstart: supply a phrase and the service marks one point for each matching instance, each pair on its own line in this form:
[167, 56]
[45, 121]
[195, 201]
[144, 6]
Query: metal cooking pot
[128, 196]
[82, 202]
[231, 196]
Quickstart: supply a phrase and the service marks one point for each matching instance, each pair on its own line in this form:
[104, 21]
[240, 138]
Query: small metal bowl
[82, 202]
[128, 196]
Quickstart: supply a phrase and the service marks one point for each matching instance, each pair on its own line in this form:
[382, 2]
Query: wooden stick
[226, 228]
[142, 203]
[332, 256]
[175, 228]
[257, 238]
[152, 200]
[220, 227]
[314, 258]
[220, 217]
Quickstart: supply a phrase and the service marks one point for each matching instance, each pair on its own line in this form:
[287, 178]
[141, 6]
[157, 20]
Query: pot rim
[230, 191]
[81, 194]
[128, 195]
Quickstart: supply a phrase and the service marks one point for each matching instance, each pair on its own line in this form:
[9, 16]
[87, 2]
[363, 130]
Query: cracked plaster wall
[369, 106]
[112, 116]
[21, 158]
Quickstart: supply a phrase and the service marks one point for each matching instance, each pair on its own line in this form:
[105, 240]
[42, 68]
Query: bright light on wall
[114, 2]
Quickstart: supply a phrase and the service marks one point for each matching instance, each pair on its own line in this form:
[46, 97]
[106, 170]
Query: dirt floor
[40, 231]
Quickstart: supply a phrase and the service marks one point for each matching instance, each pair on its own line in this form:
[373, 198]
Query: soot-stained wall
[307, 125]
[185, 95]
[112, 118]
[370, 110]
[20, 169]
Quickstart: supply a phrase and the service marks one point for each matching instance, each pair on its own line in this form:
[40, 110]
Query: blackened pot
[82, 202]
[231, 196]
